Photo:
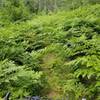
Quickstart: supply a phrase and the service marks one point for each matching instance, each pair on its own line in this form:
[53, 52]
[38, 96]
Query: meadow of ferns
[52, 55]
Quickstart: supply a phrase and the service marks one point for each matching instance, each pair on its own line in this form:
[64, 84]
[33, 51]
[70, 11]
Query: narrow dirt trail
[55, 90]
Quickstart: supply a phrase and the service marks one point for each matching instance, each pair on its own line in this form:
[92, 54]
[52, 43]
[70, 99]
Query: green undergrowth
[52, 55]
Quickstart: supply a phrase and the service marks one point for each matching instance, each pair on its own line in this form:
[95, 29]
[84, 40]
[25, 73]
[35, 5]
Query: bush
[15, 10]
[19, 80]
[64, 46]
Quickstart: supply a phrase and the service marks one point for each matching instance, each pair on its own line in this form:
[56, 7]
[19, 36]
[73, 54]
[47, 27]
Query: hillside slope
[52, 55]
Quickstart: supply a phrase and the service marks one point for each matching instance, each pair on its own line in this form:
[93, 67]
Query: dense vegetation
[50, 54]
